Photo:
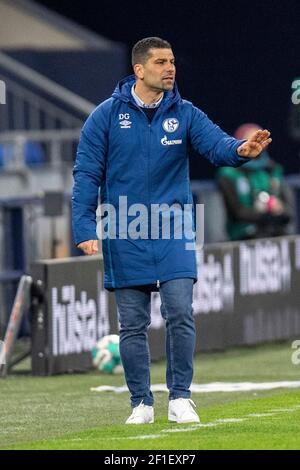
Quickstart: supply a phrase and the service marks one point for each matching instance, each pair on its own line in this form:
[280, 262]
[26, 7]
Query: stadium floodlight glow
[2, 92]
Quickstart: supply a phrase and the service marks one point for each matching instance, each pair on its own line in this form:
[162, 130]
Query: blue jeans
[134, 317]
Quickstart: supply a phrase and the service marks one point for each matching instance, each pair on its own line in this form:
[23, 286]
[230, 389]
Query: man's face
[158, 73]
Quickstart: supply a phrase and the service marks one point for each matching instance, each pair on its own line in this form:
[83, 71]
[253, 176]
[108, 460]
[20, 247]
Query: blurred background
[236, 60]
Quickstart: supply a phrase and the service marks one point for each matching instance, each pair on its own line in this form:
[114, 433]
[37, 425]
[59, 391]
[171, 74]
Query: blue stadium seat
[1, 156]
[34, 154]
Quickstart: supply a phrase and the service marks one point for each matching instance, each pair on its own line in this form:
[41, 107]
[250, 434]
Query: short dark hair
[140, 51]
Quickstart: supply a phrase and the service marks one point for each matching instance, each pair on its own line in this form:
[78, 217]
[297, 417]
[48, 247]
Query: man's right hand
[89, 247]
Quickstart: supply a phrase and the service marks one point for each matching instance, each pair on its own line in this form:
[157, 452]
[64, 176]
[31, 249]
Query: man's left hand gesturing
[253, 147]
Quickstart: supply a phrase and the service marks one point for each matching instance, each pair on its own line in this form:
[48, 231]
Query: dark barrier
[246, 293]
[74, 311]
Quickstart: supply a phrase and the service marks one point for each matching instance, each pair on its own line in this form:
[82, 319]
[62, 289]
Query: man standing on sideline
[135, 144]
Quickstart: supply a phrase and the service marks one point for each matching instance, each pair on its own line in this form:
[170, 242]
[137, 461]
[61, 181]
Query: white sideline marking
[218, 422]
[283, 410]
[195, 427]
[230, 420]
[211, 387]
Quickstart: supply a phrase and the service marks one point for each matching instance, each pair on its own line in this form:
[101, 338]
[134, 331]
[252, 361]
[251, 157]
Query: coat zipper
[149, 127]
[149, 192]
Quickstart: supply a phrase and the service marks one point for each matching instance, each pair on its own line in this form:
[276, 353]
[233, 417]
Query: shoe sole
[148, 422]
[174, 419]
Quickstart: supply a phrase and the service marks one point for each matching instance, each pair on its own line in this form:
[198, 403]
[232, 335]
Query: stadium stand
[40, 125]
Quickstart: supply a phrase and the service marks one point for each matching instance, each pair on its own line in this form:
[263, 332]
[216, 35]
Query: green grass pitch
[61, 413]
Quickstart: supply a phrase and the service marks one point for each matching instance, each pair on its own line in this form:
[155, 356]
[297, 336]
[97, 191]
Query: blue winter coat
[125, 155]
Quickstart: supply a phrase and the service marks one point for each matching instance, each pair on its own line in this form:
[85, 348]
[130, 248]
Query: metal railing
[54, 147]
[26, 110]
[44, 85]
[38, 113]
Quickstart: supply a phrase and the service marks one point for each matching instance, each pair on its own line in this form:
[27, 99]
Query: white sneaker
[181, 410]
[141, 414]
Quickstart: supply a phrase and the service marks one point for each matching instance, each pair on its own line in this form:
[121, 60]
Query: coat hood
[123, 91]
